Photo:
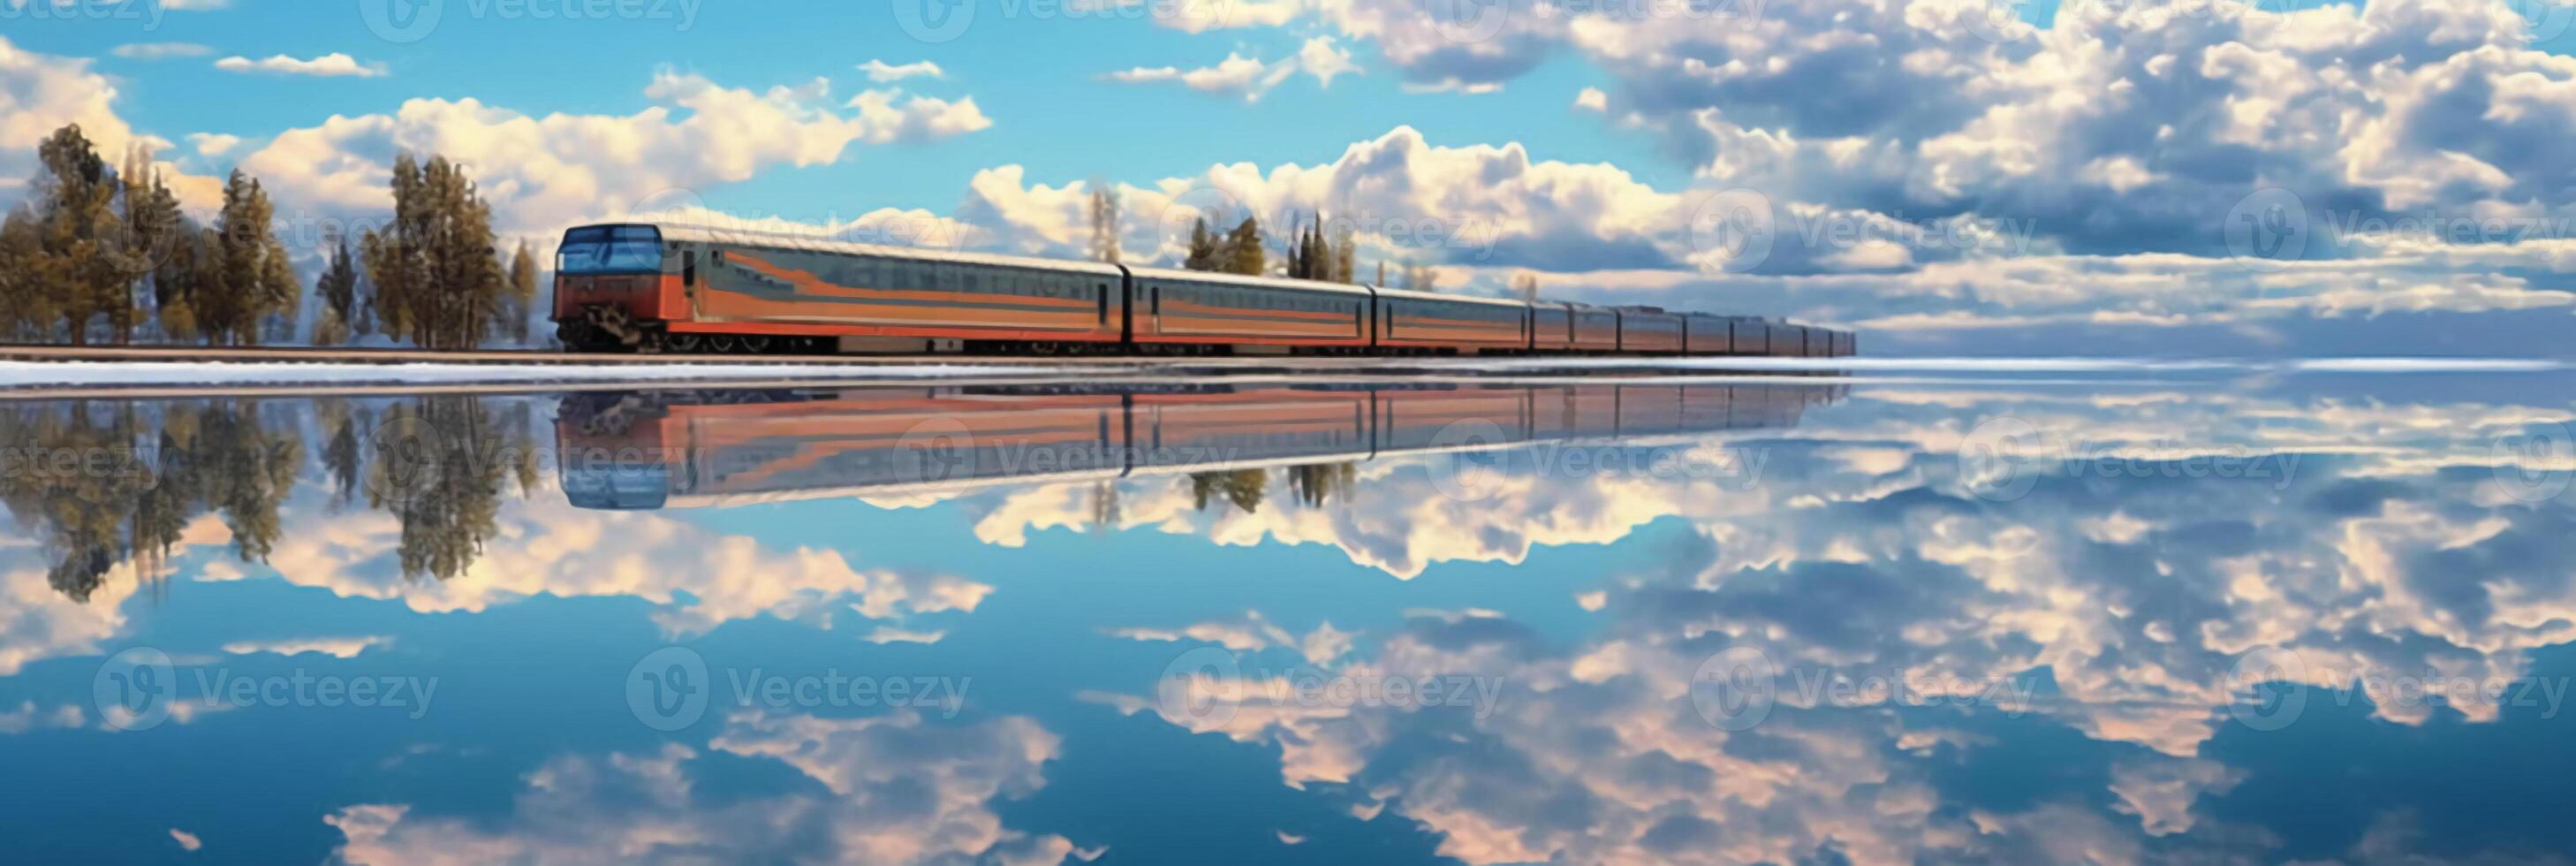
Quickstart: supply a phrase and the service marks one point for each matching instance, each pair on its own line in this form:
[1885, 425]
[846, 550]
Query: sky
[1977, 177]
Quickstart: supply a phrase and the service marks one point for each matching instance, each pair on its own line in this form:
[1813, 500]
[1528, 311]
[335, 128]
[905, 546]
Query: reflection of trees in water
[1242, 487]
[1314, 484]
[343, 425]
[1318, 483]
[108, 483]
[442, 475]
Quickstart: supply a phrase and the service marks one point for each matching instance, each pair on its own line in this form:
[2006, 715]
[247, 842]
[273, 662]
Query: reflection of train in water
[681, 449]
[652, 288]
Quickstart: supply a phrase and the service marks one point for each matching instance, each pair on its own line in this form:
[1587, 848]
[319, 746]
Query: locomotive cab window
[610, 250]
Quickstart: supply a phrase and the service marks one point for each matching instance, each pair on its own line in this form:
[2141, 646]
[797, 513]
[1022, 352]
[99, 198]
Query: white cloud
[1246, 78]
[335, 647]
[213, 143]
[881, 71]
[187, 841]
[161, 50]
[893, 789]
[41, 93]
[544, 172]
[893, 117]
[331, 65]
[1321, 58]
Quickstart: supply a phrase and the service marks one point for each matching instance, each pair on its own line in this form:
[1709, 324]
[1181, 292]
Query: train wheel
[724, 344]
[684, 344]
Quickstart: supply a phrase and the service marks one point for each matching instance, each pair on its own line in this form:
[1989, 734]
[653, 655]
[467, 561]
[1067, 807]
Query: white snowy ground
[22, 374]
[30, 374]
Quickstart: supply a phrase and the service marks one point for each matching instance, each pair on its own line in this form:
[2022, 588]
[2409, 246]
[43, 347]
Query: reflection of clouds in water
[38, 622]
[886, 789]
[700, 579]
[2132, 595]
[1397, 519]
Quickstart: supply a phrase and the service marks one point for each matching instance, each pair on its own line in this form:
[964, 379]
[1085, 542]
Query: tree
[442, 480]
[23, 265]
[1421, 278]
[1104, 223]
[1525, 287]
[523, 294]
[153, 225]
[1244, 488]
[437, 281]
[78, 223]
[244, 275]
[342, 318]
[1345, 263]
[1243, 253]
[1204, 253]
[1317, 483]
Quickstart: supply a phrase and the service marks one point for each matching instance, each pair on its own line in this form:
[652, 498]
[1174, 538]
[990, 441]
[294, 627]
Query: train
[652, 288]
[687, 449]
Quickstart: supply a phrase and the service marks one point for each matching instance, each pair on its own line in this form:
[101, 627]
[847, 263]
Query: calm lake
[2112, 616]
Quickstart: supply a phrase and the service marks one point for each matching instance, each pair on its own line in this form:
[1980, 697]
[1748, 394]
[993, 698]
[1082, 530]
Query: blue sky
[1947, 176]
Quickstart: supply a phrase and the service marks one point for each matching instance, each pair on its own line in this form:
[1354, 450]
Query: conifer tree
[340, 319]
[1203, 248]
[1104, 224]
[1243, 253]
[523, 293]
[438, 282]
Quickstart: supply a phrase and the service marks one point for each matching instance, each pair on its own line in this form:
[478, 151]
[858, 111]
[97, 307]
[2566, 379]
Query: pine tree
[79, 223]
[153, 225]
[1104, 224]
[339, 321]
[256, 283]
[523, 293]
[1345, 250]
[22, 267]
[1243, 253]
[437, 280]
[1421, 278]
[1203, 248]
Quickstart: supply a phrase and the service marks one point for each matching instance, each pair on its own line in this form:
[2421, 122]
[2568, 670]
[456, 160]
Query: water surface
[2118, 617]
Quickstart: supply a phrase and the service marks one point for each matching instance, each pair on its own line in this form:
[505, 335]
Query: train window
[689, 268]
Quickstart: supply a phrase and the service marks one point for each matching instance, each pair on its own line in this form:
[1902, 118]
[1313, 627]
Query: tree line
[1307, 253]
[106, 253]
[110, 487]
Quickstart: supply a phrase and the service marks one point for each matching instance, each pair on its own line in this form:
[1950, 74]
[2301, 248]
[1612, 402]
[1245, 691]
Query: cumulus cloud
[40, 93]
[333, 65]
[544, 172]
